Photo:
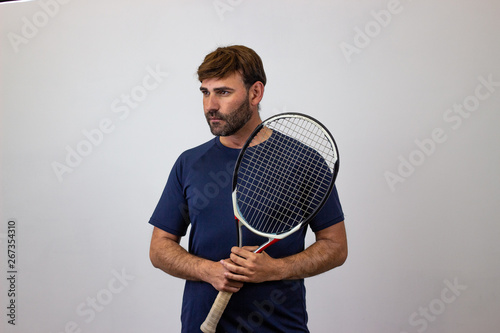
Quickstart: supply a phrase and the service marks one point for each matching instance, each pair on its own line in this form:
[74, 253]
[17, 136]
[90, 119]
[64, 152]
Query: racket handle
[213, 317]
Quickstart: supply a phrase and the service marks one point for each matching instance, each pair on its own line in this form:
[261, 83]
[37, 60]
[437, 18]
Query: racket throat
[264, 246]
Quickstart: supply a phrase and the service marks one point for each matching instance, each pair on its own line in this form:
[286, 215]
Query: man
[268, 287]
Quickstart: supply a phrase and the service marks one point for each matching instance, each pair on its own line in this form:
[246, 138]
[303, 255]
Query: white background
[422, 211]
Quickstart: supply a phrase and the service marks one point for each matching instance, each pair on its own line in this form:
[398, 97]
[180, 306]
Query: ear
[255, 93]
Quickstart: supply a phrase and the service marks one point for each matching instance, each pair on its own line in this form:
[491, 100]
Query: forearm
[173, 259]
[168, 255]
[320, 257]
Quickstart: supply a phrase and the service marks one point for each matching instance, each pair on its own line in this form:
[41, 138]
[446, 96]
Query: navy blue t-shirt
[198, 193]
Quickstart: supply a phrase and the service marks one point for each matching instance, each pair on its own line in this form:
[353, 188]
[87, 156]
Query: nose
[211, 103]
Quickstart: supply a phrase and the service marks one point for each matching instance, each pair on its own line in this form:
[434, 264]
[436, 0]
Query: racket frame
[273, 238]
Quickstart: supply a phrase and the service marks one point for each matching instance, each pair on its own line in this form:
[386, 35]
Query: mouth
[215, 119]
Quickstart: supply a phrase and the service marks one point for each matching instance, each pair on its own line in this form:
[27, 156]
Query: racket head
[284, 174]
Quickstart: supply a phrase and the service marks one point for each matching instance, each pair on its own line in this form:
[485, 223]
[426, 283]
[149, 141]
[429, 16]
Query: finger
[239, 251]
[244, 264]
[235, 284]
[250, 248]
[226, 261]
[234, 268]
[236, 260]
[244, 252]
[230, 289]
[230, 283]
[236, 277]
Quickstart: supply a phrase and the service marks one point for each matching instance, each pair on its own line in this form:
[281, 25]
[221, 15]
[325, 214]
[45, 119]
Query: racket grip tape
[213, 317]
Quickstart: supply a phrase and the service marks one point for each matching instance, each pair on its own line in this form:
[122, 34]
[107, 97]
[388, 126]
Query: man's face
[226, 104]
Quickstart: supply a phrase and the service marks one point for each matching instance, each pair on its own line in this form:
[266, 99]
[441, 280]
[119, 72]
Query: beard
[233, 121]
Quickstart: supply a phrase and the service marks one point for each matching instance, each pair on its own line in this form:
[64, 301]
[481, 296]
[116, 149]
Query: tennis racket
[283, 175]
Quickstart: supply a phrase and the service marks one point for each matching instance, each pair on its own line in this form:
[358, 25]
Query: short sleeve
[331, 213]
[171, 213]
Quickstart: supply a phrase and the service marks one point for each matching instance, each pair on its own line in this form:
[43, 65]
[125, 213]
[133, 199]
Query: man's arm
[168, 255]
[328, 251]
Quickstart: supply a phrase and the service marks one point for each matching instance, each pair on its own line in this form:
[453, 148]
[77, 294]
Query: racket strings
[301, 160]
[270, 204]
[284, 178]
[307, 133]
[312, 136]
[263, 201]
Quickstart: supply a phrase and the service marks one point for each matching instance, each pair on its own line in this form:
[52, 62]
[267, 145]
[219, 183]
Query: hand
[219, 280]
[247, 266]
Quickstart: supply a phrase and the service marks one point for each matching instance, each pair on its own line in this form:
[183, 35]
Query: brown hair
[225, 61]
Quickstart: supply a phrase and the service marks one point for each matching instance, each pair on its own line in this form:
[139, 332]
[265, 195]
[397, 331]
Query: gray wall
[98, 98]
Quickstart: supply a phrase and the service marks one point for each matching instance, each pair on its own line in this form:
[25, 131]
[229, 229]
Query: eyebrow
[218, 89]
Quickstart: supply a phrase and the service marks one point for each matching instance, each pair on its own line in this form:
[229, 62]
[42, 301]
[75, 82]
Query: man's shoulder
[199, 150]
[211, 155]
